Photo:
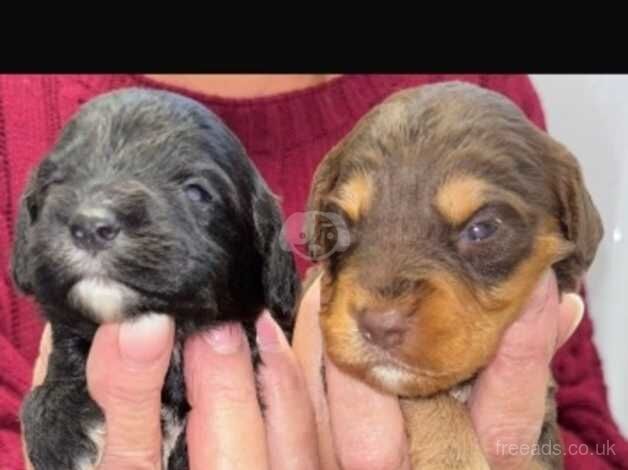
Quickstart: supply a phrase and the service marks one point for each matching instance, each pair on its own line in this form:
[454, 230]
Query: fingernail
[144, 340]
[225, 339]
[269, 337]
[578, 308]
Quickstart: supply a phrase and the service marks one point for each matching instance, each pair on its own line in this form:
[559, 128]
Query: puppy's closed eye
[195, 192]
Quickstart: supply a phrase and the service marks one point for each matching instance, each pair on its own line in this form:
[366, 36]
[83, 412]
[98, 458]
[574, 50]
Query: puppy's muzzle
[94, 228]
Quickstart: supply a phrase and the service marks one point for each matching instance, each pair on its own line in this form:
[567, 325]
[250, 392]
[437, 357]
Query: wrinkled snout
[94, 228]
[385, 329]
[107, 212]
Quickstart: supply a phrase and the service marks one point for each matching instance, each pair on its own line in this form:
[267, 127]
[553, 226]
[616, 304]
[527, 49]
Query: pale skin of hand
[125, 373]
[360, 428]
[226, 429]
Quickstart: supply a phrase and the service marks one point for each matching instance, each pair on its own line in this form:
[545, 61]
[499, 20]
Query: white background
[589, 114]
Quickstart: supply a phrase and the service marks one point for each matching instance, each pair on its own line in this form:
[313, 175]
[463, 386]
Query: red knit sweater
[286, 136]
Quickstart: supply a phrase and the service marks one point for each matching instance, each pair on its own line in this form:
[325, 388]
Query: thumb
[126, 368]
[508, 400]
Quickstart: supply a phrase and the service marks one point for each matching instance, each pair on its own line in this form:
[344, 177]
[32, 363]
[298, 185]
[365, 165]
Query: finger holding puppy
[367, 425]
[39, 373]
[289, 415]
[126, 368]
[308, 347]
[226, 428]
[41, 363]
[351, 417]
[225, 417]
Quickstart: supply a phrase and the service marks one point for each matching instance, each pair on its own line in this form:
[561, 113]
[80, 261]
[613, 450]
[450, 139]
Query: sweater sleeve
[589, 431]
[15, 370]
[14, 383]
[591, 438]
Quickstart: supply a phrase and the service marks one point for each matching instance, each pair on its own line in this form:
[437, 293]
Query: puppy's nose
[385, 329]
[95, 229]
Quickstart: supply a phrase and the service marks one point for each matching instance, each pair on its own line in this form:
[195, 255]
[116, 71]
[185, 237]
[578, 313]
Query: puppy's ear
[30, 205]
[579, 220]
[279, 275]
[317, 224]
[20, 266]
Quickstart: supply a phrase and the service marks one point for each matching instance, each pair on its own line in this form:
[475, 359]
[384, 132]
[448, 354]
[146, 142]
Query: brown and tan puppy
[452, 205]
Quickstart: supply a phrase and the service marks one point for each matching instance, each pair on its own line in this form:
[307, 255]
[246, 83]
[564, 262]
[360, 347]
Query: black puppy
[147, 203]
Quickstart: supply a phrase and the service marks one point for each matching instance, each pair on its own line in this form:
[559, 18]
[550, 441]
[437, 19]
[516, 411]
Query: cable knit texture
[286, 136]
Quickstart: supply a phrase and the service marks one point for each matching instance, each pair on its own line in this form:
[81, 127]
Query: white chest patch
[103, 299]
[392, 376]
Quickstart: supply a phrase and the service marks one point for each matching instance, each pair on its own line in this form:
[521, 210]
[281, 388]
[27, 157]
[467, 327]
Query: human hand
[360, 428]
[126, 367]
[507, 403]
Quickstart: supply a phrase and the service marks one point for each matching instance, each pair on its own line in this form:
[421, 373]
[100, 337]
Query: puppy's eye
[196, 193]
[481, 230]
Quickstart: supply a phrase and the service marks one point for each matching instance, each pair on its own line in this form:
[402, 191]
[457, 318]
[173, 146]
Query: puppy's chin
[399, 380]
[393, 379]
[101, 299]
